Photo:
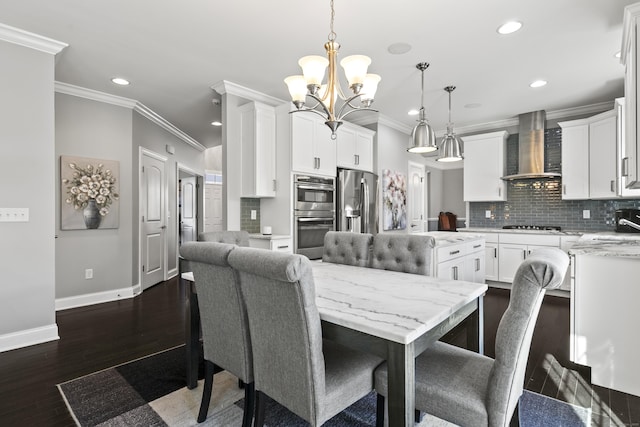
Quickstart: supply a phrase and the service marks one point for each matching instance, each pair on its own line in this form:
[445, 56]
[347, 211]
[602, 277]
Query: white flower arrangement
[89, 183]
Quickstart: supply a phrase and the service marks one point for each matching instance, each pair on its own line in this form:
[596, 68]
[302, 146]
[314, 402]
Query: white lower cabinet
[491, 257]
[515, 248]
[275, 243]
[461, 261]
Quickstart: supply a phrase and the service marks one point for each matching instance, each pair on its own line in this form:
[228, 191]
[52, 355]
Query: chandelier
[450, 150]
[362, 85]
[423, 138]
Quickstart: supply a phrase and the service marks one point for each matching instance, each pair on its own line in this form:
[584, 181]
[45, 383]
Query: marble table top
[396, 306]
[608, 244]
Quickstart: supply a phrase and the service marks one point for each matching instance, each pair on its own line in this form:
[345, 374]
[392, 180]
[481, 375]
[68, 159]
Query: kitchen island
[605, 287]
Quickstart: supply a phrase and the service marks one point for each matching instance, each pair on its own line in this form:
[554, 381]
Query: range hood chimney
[531, 148]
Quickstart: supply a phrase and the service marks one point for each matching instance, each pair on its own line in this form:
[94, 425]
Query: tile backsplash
[539, 202]
[246, 223]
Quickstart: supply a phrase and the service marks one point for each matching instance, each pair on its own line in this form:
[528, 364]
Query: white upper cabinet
[484, 166]
[355, 147]
[623, 189]
[312, 149]
[629, 57]
[602, 156]
[258, 150]
[575, 159]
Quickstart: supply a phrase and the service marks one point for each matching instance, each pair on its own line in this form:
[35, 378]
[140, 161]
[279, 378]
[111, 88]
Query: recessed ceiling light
[120, 81]
[509, 27]
[413, 112]
[399, 48]
[216, 123]
[473, 105]
[538, 83]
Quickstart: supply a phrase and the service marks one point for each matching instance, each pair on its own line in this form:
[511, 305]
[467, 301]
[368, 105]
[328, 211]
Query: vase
[92, 215]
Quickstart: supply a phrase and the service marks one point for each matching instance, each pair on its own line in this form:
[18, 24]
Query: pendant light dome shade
[451, 146]
[423, 138]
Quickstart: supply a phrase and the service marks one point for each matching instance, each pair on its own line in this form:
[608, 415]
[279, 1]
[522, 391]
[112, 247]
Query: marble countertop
[502, 230]
[269, 236]
[396, 306]
[608, 244]
[443, 238]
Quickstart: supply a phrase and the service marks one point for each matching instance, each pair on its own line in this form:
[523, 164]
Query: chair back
[402, 252]
[225, 327]
[544, 269]
[239, 237]
[286, 335]
[344, 247]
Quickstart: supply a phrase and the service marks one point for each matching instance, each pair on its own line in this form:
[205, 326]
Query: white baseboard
[172, 273]
[28, 337]
[96, 298]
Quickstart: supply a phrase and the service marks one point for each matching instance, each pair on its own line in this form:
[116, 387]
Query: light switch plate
[586, 214]
[254, 214]
[14, 214]
[487, 214]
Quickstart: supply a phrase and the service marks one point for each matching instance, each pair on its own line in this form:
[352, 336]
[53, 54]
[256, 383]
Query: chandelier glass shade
[310, 84]
[450, 147]
[423, 138]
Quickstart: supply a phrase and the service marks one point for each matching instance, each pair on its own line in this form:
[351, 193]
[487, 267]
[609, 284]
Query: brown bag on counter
[447, 221]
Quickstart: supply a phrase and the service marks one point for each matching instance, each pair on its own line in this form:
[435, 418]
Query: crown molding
[31, 40]
[584, 110]
[225, 86]
[145, 111]
[132, 104]
[94, 95]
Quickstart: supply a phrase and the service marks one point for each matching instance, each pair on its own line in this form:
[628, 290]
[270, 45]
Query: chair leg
[249, 404]
[259, 421]
[515, 419]
[209, 369]
[417, 416]
[380, 411]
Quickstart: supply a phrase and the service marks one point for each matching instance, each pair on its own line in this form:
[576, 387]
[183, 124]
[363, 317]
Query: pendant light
[423, 138]
[450, 147]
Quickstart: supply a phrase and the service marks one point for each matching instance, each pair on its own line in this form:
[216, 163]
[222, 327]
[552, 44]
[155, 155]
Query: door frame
[425, 194]
[180, 167]
[141, 153]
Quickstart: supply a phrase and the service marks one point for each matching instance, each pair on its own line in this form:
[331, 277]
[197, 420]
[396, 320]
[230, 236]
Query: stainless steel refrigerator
[357, 201]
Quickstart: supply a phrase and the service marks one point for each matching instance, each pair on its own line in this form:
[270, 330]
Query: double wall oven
[313, 213]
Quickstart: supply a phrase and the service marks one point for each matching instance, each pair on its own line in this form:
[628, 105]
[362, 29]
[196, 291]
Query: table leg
[401, 378]
[475, 328]
[192, 333]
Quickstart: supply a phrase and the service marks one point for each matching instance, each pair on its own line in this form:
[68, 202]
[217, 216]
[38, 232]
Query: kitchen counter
[269, 236]
[608, 244]
[443, 238]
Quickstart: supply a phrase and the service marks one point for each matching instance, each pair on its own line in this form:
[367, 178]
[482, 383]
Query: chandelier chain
[332, 34]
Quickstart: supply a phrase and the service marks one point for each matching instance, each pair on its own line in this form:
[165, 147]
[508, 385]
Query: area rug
[151, 392]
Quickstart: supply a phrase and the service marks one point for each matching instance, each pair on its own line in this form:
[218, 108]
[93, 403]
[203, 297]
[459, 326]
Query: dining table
[394, 315]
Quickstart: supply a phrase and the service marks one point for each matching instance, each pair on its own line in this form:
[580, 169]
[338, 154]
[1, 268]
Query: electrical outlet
[487, 214]
[586, 214]
[254, 214]
[88, 273]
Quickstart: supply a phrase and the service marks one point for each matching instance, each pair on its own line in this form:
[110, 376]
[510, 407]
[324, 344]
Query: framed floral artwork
[89, 193]
[394, 200]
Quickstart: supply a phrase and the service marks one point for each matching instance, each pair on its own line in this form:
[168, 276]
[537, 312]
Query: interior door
[153, 228]
[188, 209]
[213, 207]
[416, 198]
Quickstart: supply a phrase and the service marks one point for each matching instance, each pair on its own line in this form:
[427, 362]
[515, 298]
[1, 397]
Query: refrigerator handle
[364, 218]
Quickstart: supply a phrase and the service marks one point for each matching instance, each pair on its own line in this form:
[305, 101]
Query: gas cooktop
[531, 227]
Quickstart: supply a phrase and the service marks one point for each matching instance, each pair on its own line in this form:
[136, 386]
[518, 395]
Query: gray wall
[27, 180]
[87, 128]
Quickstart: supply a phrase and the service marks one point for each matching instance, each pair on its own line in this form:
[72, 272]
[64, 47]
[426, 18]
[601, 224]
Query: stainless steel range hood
[531, 148]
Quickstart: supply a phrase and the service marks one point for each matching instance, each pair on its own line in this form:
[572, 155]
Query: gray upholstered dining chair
[314, 379]
[345, 247]
[402, 252]
[470, 389]
[235, 237]
[225, 330]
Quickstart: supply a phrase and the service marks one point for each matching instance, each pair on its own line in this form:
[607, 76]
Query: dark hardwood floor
[100, 336]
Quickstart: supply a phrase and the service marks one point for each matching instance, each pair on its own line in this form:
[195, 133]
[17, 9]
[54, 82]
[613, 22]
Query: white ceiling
[173, 52]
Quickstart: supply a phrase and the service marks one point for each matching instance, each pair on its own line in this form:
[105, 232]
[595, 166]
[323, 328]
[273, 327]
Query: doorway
[417, 197]
[189, 205]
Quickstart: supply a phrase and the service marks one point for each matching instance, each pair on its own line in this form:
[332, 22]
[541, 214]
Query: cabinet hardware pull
[455, 272]
[454, 252]
[499, 192]
[564, 189]
[356, 159]
[476, 246]
[524, 253]
[283, 247]
[477, 264]
[274, 185]
[318, 162]
[625, 166]
[495, 252]
[613, 186]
